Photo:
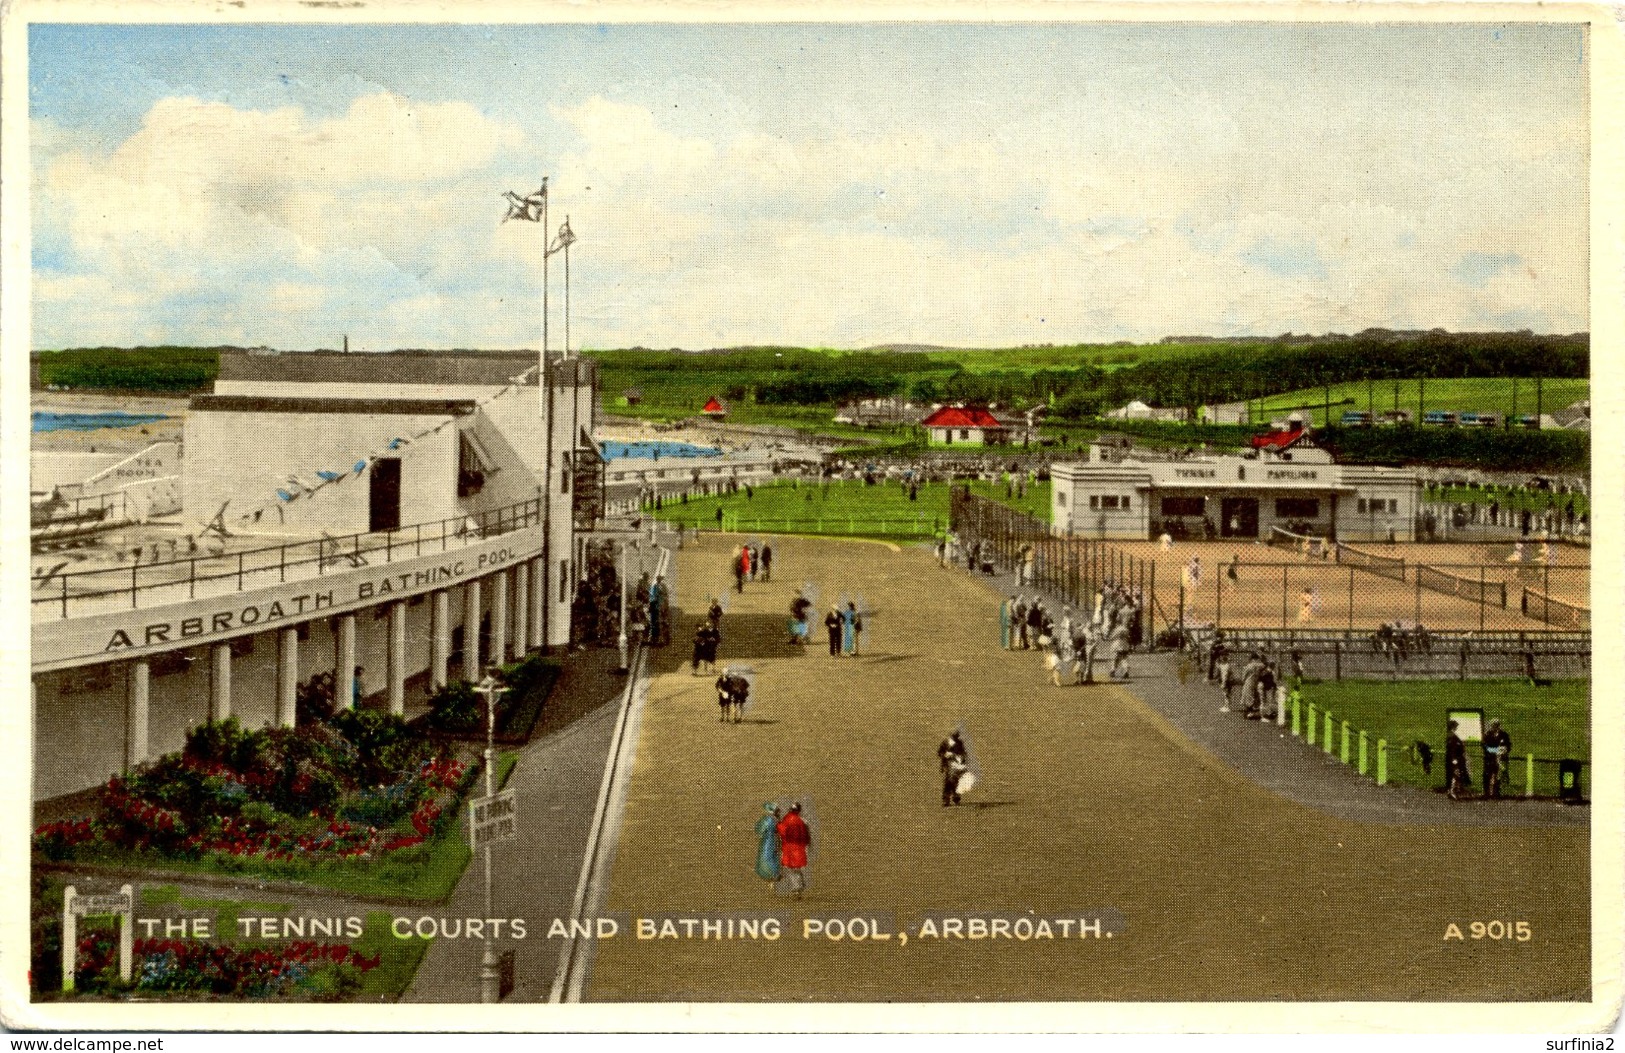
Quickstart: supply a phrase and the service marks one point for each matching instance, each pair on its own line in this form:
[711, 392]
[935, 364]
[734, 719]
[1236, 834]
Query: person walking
[767, 562]
[1458, 779]
[953, 758]
[657, 612]
[795, 839]
[739, 564]
[714, 614]
[832, 624]
[851, 629]
[719, 519]
[1119, 646]
[755, 561]
[768, 845]
[1497, 751]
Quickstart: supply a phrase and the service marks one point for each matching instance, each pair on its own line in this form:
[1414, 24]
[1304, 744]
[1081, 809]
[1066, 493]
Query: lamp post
[489, 978]
[622, 639]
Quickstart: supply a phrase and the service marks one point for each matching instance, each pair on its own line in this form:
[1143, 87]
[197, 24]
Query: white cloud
[283, 229]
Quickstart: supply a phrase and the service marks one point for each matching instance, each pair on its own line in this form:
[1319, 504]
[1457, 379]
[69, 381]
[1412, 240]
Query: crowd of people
[1071, 645]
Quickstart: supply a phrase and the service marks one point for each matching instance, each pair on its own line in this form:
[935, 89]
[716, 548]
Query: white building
[1240, 496]
[410, 514]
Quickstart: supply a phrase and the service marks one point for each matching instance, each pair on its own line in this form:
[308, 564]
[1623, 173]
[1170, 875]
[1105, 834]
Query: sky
[807, 185]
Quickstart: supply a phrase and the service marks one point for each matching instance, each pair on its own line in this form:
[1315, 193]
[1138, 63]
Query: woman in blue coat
[767, 833]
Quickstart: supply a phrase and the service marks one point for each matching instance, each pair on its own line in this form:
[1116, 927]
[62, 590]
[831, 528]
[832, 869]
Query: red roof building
[1278, 440]
[713, 408]
[965, 426]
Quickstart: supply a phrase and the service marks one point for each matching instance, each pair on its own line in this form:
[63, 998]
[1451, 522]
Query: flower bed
[456, 710]
[323, 802]
[302, 969]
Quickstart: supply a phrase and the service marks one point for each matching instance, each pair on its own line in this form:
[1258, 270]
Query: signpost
[491, 819]
[74, 906]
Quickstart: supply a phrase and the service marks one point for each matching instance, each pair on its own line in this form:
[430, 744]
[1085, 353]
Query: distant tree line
[162, 369]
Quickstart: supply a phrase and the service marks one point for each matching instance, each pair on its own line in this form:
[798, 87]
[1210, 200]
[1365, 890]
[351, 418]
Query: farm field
[1461, 394]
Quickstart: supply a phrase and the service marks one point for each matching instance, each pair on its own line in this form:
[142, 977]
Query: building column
[538, 599]
[135, 713]
[287, 676]
[521, 610]
[472, 670]
[439, 637]
[344, 685]
[397, 658]
[499, 617]
[220, 682]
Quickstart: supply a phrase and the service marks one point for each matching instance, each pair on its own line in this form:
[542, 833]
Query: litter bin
[1568, 781]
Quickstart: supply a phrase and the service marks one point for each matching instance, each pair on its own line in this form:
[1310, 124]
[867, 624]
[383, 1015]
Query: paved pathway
[1273, 758]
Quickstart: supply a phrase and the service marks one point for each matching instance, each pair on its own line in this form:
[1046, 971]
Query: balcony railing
[172, 580]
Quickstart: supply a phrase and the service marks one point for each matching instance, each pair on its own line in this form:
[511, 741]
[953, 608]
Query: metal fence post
[1382, 762]
[1312, 725]
[1337, 660]
[1343, 748]
[1327, 743]
[1362, 751]
[1529, 775]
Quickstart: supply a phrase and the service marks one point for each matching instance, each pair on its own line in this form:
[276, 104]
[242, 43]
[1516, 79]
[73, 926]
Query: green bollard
[1328, 742]
[1382, 762]
[1343, 750]
[1297, 714]
[1363, 766]
[1311, 738]
[1529, 775]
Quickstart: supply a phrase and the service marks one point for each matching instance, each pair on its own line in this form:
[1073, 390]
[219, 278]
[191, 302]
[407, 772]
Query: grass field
[846, 508]
[1512, 499]
[1088, 804]
[1551, 722]
[1461, 394]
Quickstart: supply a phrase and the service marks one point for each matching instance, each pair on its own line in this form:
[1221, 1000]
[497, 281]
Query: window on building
[169, 663]
[964, 433]
[301, 632]
[1393, 504]
[1125, 500]
[1297, 508]
[1060, 499]
[1182, 506]
[1094, 500]
[1360, 506]
[1109, 501]
[86, 679]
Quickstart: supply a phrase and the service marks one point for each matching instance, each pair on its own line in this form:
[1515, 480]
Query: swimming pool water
[46, 421]
[615, 450]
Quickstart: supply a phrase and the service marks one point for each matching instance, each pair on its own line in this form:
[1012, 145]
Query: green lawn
[1512, 499]
[845, 508]
[1462, 394]
[1551, 722]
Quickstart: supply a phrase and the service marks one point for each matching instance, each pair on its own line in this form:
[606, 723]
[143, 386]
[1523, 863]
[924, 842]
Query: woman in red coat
[794, 838]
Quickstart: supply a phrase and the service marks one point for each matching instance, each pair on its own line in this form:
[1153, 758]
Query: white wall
[245, 456]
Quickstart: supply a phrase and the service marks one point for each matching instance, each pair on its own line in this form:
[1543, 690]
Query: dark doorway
[1239, 517]
[384, 495]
